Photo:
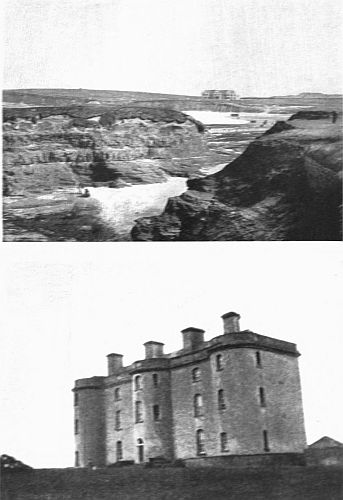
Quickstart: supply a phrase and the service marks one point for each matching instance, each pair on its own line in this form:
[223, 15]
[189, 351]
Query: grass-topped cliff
[285, 186]
[46, 148]
[48, 152]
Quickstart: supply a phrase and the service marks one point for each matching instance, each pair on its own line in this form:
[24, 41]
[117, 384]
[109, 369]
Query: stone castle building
[219, 94]
[236, 394]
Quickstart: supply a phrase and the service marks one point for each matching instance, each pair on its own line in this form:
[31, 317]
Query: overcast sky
[68, 305]
[257, 47]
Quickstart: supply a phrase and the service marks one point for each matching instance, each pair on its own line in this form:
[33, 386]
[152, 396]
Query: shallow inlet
[120, 207]
[216, 118]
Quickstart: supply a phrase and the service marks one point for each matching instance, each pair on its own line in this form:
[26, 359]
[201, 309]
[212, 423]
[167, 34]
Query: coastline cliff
[285, 186]
[52, 148]
[50, 154]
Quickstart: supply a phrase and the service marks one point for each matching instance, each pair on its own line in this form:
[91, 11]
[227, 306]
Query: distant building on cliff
[219, 94]
[236, 396]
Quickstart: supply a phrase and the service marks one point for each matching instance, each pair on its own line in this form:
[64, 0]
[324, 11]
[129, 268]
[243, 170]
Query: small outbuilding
[325, 451]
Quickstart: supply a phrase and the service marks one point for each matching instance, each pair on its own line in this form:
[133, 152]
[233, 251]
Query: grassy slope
[72, 97]
[293, 483]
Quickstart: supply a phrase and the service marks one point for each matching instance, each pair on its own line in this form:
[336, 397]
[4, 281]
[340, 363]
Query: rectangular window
[262, 397]
[77, 459]
[219, 362]
[196, 374]
[197, 403]
[265, 441]
[223, 442]
[118, 420]
[155, 379]
[156, 412]
[76, 427]
[139, 412]
[138, 383]
[200, 442]
[221, 400]
[258, 359]
[119, 450]
[76, 399]
[117, 394]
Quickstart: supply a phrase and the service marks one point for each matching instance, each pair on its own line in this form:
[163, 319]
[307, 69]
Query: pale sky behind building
[66, 306]
[257, 47]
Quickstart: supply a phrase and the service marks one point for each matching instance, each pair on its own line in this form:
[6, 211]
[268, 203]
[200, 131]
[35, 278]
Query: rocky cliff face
[285, 186]
[49, 148]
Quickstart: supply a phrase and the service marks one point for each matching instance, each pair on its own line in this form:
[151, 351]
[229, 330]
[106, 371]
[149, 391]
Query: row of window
[156, 412]
[200, 446]
[137, 385]
[138, 381]
[140, 450]
[198, 401]
[119, 452]
[196, 373]
[196, 376]
[117, 392]
[197, 406]
[200, 442]
[118, 415]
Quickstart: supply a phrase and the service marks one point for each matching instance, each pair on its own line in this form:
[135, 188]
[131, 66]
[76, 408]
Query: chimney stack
[192, 338]
[231, 322]
[115, 363]
[153, 349]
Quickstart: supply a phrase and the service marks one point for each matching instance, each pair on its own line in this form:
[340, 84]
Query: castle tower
[89, 428]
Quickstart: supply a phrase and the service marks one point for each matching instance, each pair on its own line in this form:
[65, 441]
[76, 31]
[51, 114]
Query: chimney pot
[153, 349]
[231, 322]
[193, 338]
[115, 363]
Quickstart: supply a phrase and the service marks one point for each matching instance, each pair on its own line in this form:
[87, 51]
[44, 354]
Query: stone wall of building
[284, 416]
[183, 391]
[156, 429]
[241, 415]
[329, 456]
[119, 398]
